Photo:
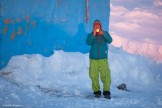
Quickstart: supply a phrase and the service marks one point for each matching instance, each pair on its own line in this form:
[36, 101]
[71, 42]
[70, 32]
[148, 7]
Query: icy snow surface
[62, 81]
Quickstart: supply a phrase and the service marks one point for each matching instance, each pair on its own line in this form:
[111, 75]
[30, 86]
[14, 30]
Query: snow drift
[71, 69]
[62, 80]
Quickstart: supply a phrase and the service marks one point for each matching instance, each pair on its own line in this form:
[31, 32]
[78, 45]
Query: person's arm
[90, 38]
[108, 37]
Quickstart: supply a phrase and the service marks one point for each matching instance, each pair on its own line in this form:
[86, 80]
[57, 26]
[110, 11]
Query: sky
[135, 25]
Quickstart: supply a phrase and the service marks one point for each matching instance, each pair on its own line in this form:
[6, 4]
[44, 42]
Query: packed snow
[62, 81]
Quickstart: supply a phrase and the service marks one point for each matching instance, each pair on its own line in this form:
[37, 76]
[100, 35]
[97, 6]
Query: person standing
[98, 40]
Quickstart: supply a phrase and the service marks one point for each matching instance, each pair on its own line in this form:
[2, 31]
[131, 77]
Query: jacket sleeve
[89, 39]
[108, 37]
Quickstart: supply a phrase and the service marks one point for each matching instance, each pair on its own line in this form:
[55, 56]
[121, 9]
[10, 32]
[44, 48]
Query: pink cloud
[136, 24]
[138, 30]
[157, 3]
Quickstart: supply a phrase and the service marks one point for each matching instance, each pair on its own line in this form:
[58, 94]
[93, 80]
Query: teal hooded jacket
[99, 47]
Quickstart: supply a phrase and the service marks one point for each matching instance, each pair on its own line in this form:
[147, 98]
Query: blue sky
[136, 26]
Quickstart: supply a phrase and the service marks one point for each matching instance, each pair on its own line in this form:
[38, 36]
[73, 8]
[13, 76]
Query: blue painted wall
[41, 26]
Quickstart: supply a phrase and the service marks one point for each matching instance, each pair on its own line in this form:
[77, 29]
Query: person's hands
[94, 32]
[101, 32]
[97, 32]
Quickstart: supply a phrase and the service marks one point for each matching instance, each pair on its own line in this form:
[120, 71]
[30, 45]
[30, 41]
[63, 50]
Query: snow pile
[132, 69]
[70, 69]
[62, 81]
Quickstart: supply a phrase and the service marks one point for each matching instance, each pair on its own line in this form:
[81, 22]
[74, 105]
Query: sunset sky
[136, 25]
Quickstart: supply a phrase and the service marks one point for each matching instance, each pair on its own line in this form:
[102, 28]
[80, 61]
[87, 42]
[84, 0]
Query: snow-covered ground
[62, 81]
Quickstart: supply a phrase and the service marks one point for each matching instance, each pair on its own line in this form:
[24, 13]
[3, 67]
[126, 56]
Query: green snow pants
[100, 68]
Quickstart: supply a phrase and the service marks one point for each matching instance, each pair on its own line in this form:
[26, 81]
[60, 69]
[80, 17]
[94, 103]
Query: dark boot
[97, 94]
[107, 94]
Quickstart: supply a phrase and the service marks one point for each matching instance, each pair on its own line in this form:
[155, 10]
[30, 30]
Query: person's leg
[105, 75]
[94, 75]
